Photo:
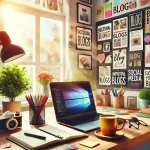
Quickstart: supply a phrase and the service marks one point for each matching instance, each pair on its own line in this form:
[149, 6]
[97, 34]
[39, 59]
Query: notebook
[53, 135]
[74, 105]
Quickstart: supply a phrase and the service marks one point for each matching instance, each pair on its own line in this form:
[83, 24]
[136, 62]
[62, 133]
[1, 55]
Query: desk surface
[133, 137]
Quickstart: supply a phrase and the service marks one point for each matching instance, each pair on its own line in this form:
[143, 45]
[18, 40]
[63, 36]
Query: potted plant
[144, 97]
[14, 80]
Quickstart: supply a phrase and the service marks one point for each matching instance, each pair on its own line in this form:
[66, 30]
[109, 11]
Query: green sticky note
[108, 6]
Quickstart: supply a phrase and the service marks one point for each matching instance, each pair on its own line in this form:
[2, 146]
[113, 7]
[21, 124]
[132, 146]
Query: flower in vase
[44, 77]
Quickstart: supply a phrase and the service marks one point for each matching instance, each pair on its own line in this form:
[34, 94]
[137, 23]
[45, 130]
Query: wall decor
[108, 59]
[120, 7]
[120, 59]
[108, 9]
[136, 40]
[84, 14]
[87, 1]
[104, 32]
[123, 44]
[135, 59]
[147, 78]
[147, 38]
[132, 102]
[147, 21]
[106, 47]
[119, 78]
[83, 38]
[135, 20]
[85, 61]
[120, 33]
[101, 58]
[147, 55]
[104, 75]
[135, 78]
[99, 47]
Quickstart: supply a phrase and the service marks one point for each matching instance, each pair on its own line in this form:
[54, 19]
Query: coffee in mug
[109, 124]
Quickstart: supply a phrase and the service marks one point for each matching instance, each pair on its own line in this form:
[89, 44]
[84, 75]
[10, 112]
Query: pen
[35, 136]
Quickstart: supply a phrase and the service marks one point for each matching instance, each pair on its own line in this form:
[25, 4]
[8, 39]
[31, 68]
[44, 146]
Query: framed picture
[83, 38]
[87, 1]
[85, 61]
[131, 102]
[84, 14]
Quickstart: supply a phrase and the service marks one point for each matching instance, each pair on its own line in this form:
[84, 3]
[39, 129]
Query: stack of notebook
[144, 113]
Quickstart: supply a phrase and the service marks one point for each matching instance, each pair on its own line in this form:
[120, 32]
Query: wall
[73, 70]
[117, 9]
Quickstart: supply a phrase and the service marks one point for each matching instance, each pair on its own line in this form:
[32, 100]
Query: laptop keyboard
[82, 120]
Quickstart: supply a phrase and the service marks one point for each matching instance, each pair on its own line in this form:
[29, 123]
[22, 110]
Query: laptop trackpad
[88, 126]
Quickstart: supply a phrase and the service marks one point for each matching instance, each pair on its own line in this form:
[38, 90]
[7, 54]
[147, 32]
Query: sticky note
[89, 143]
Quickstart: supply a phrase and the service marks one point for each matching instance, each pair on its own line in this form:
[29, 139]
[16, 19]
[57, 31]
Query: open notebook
[74, 105]
[53, 135]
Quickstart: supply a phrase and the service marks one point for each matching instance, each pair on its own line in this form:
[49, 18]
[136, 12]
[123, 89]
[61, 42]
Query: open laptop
[74, 105]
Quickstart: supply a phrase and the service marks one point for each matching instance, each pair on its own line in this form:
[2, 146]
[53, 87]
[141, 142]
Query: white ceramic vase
[45, 89]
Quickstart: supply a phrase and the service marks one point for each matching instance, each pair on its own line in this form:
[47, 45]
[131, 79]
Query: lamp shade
[9, 51]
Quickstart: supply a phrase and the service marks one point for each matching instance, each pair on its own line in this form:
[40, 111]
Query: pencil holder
[118, 102]
[106, 100]
[37, 115]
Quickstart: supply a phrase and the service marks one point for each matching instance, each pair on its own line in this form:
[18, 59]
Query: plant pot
[11, 106]
[144, 103]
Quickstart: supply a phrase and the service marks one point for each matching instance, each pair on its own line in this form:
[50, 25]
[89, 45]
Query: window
[40, 33]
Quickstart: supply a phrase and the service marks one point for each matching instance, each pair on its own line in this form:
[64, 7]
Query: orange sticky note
[89, 143]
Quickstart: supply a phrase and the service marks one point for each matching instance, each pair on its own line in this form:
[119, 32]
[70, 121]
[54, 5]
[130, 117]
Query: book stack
[144, 113]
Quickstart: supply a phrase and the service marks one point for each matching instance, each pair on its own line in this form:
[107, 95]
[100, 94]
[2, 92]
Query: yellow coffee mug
[109, 124]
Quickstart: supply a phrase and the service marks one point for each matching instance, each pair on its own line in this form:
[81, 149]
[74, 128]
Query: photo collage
[122, 43]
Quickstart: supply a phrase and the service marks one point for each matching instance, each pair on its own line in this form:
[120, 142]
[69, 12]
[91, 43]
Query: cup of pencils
[118, 99]
[106, 96]
[36, 108]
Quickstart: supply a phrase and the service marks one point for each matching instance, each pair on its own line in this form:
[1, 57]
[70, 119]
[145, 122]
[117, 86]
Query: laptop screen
[71, 99]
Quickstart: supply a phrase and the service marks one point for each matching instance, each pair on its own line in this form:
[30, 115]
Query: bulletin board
[123, 50]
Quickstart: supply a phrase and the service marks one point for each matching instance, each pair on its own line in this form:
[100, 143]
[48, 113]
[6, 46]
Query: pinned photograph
[84, 14]
[136, 40]
[104, 75]
[120, 33]
[85, 61]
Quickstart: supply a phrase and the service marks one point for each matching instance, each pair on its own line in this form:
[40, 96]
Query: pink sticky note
[108, 13]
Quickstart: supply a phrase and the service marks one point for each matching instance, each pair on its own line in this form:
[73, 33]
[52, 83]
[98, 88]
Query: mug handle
[123, 123]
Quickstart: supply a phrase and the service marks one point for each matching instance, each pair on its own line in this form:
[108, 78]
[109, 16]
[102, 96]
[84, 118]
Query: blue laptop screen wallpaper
[72, 98]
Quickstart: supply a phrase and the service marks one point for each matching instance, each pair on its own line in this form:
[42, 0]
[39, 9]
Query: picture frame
[132, 102]
[83, 38]
[85, 61]
[87, 1]
[84, 14]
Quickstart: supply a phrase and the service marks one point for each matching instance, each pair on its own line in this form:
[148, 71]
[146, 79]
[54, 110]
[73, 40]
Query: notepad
[53, 135]
[89, 143]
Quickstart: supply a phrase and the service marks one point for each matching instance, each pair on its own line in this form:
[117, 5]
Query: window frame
[37, 13]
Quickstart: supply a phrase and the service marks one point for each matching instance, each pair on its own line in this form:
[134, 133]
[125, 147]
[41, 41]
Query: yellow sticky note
[89, 143]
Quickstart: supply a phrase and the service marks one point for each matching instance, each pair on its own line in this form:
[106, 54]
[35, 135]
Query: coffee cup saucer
[99, 134]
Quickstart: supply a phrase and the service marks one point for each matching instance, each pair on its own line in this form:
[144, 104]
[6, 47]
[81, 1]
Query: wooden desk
[133, 137]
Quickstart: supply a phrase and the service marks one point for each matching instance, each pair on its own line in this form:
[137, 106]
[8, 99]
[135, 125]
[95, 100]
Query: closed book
[146, 111]
[53, 135]
[139, 114]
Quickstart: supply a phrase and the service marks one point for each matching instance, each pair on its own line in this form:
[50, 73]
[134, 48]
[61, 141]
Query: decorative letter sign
[84, 38]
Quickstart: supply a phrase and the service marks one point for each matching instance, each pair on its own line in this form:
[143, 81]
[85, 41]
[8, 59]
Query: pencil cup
[118, 102]
[37, 115]
[106, 100]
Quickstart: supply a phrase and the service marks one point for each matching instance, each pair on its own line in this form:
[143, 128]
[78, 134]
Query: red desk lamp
[9, 51]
